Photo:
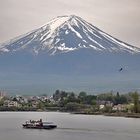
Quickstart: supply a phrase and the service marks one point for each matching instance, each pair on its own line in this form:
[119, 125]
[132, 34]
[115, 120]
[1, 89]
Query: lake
[70, 127]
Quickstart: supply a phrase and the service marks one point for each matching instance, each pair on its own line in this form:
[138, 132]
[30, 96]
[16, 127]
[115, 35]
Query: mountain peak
[60, 20]
[67, 16]
[64, 34]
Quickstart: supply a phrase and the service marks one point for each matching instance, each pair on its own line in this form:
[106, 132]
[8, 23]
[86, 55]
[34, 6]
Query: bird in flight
[120, 69]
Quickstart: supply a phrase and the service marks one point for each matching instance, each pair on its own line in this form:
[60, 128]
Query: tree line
[71, 101]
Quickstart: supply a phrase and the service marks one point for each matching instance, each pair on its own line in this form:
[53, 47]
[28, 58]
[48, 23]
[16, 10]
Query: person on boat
[40, 122]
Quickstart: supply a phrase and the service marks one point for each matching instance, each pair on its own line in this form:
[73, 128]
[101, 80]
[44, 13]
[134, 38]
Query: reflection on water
[70, 127]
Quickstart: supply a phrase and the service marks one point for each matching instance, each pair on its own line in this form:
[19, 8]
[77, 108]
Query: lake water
[70, 127]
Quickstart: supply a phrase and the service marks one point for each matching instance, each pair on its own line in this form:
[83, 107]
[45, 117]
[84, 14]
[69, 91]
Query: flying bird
[120, 69]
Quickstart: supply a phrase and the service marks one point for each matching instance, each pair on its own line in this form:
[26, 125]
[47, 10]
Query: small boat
[32, 124]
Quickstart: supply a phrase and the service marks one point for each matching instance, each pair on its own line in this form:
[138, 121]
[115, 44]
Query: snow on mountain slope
[93, 61]
[64, 34]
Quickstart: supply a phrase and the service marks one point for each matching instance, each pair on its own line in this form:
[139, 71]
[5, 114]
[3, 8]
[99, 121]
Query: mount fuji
[65, 34]
[69, 53]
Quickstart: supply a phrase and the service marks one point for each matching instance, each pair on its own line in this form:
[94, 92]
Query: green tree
[71, 97]
[106, 97]
[82, 94]
[135, 96]
[72, 106]
[41, 105]
[1, 102]
[107, 109]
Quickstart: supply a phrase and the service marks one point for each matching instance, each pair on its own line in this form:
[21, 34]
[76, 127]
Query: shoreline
[116, 114]
[119, 114]
[127, 115]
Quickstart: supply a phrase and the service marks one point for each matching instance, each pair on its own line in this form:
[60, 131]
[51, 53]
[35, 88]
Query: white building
[8, 103]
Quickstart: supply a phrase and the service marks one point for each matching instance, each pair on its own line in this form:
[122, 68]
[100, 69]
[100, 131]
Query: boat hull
[27, 126]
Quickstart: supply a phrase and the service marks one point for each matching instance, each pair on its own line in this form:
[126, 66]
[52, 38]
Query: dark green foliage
[135, 96]
[87, 99]
[106, 97]
[1, 102]
[120, 99]
[72, 106]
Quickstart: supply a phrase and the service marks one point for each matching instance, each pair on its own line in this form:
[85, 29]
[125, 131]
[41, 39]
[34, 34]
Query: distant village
[71, 102]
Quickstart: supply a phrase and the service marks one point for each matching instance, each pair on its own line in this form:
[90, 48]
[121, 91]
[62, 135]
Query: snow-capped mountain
[64, 34]
[69, 53]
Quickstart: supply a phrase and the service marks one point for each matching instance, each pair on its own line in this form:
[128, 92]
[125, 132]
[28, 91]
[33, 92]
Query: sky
[119, 18]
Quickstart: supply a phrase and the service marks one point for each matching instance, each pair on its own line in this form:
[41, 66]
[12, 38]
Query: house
[119, 107]
[101, 106]
[8, 103]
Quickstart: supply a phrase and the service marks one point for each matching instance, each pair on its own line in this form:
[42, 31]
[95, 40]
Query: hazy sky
[119, 18]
